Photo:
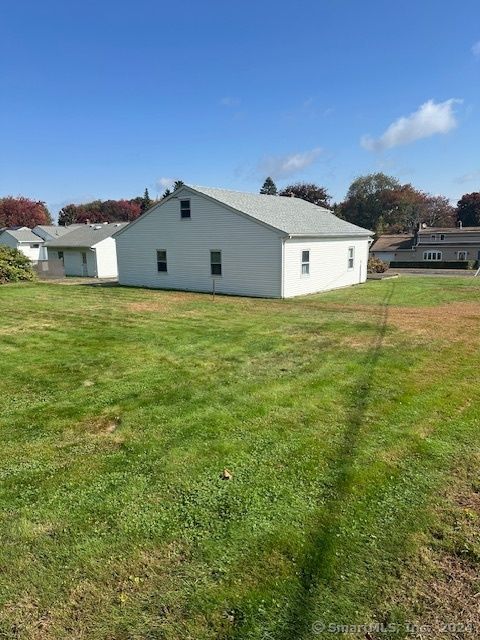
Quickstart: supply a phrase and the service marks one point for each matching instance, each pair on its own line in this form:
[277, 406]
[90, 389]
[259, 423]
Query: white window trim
[351, 257]
[464, 253]
[216, 275]
[428, 256]
[189, 208]
[304, 275]
[166, 261]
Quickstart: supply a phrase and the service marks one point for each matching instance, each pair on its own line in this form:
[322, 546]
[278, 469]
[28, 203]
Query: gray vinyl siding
[251, 252]
[72, 260]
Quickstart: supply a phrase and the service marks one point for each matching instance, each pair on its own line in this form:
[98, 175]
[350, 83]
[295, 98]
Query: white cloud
[229, 101]
[288, 165]
[429, 119]
[476, 49]
[164, 183]
[473, 176]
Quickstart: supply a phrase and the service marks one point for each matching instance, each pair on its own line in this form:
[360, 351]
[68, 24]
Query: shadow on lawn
[319, 562]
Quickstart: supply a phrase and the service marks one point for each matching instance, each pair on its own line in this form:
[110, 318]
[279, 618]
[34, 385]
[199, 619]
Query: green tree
[166, 193]
[468, 209]
[308, 191]
[365, 201]
[177, 184]
[269, 187]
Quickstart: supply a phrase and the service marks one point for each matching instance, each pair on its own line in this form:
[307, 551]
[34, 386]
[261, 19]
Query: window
[35, 246]
[161, 261]
[442, 236]
[216, 263]
[305, 263]
[185, 211]
[462, 255]
[60, 255]
[432, 255]
[351, 257]
[433, 237]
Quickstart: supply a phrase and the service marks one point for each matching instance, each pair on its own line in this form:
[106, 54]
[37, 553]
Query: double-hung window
[305, 263]
[161, 261]
[432, 255]
[185, 211]
[351, 257]
[216, 263]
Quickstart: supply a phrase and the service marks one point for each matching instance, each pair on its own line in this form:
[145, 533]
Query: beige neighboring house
[23, 239]
[430, 245]
[87, 250]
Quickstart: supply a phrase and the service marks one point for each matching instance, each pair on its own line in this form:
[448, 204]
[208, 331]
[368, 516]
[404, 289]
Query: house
[52, 232]
[87, 250]
[204, 239]
[23, 239]
[390, 248]
[431, 245]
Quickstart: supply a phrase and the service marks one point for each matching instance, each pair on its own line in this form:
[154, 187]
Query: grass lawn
[349, 421]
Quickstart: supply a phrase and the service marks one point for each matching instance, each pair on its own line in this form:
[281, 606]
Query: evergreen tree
[269, 187]
[177, 184]
[146, 201]
[166, 193]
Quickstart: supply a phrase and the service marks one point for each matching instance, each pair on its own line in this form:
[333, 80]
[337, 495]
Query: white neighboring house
[88, 250]
[23, 239]
[241, 243]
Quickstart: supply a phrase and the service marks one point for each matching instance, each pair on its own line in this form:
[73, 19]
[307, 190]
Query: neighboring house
[431, 244]
[87, 250]
[391, 248]
[200, 238]
[23, 239]
[52, 232]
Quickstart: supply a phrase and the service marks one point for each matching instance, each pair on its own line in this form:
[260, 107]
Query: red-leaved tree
[22, 212]
[98, 211]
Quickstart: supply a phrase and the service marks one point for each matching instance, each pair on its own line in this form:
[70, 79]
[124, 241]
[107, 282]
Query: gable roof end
[291, 216]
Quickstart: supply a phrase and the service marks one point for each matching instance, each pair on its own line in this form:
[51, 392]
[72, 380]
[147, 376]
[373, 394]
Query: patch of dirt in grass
[135, 596]
[441, 587]
[161, 303]
[457, 322]
[103, 424]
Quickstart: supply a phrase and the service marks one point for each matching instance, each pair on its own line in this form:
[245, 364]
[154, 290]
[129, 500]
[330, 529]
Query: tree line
[381, 203]
[376, 201]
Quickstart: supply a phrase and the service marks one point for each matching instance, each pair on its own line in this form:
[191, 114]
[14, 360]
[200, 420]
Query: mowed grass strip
[342, 418]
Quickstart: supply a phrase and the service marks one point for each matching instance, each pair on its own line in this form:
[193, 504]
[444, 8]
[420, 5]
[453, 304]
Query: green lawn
[349, 421]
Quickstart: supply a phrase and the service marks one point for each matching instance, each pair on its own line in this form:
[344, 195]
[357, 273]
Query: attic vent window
[185, 211]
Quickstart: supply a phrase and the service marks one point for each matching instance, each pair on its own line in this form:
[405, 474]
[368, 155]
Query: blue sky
[101, 99]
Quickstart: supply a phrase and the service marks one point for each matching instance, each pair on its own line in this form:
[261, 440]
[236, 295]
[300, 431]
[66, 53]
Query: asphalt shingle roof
[87, 235]
[393, 242]
[291, 215]
[23, 235]
[56, 230]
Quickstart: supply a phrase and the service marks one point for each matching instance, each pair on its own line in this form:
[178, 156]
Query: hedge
[440, 264]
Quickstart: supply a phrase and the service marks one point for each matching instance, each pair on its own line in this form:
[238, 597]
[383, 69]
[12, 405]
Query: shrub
[14, 266]
[375, 265]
